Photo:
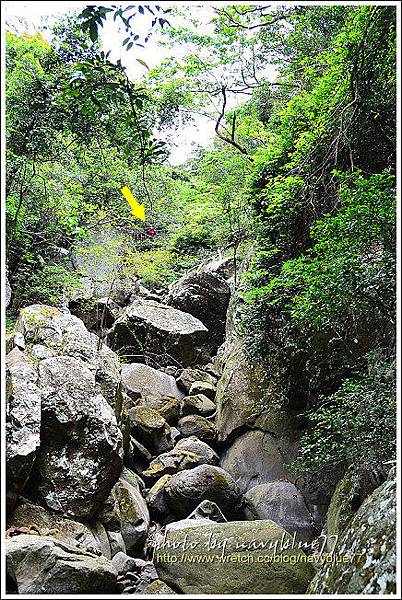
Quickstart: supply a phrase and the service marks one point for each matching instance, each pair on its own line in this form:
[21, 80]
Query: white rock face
[66, 335]
[80, 456]
[61, 416]
[205, 296]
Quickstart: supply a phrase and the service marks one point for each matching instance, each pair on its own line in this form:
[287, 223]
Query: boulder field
[147, 454]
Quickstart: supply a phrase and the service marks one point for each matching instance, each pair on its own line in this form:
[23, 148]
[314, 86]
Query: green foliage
[157, 268]
[10, 325]
[321, 287]
[335, 302]
[354, 426]
[50, 284]
[94, 17]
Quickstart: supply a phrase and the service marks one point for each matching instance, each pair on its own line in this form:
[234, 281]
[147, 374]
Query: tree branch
[224, 138]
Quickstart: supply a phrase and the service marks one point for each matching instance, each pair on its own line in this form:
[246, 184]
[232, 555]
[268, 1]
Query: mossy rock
[242, 564]
[159, 588]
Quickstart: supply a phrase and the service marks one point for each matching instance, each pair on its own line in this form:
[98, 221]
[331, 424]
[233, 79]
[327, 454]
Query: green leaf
[93, 31]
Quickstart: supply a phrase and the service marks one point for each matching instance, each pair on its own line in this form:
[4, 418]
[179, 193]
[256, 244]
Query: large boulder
[98, 314]
[168, 407]
[232, 558]
[187, 454]
[23, 422]
[141, 381]
[203, 387]
[197, 405]
[188, 488]
[151, 429]
[159, 333]
[256, 457]
[66, 335]
[198, 426]
[222, 267]
[189, 375]
[358, 482]
[206, 296]
[246, 396]
[367, 549]
[35, 518]
[281, 502]
[42, 565]
[80, 455]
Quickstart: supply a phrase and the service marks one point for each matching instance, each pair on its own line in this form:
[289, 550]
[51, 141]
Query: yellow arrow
[137, 210]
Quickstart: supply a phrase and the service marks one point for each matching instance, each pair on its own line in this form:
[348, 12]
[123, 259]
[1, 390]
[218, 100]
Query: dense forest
[296, 189]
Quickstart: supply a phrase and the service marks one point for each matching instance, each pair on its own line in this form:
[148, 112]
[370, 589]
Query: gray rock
[168, 408]
[222, 267]
[161, 333]
[60, 529]
[358, 482]
[206, 296]
[124, 563]
[158, 588]
[281, 502]
[151, 429]
[157, 498]
[138, 457]
[205, 513]
[67, 335]
[100, 534]
[134, 515]
[140, 380]
[200, 427]
[257, 457]
[369, 542]
[147, 574]
[42, 565]
[23, 422]
[19, 341]
[125, 512]
[40, 352]
[188, 488]
[116, 542]
[208, 510]
[203, 387]
[187, 454]
[96, 314]
[193, 444]
[197, 405]
[189, 375]
[176, 435]
[80, 456]
[248, 397]
[244, 548]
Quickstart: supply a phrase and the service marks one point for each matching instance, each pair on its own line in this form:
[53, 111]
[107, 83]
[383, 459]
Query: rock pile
[162, 478]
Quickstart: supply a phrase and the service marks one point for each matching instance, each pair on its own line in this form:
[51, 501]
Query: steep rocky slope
[165, 469]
